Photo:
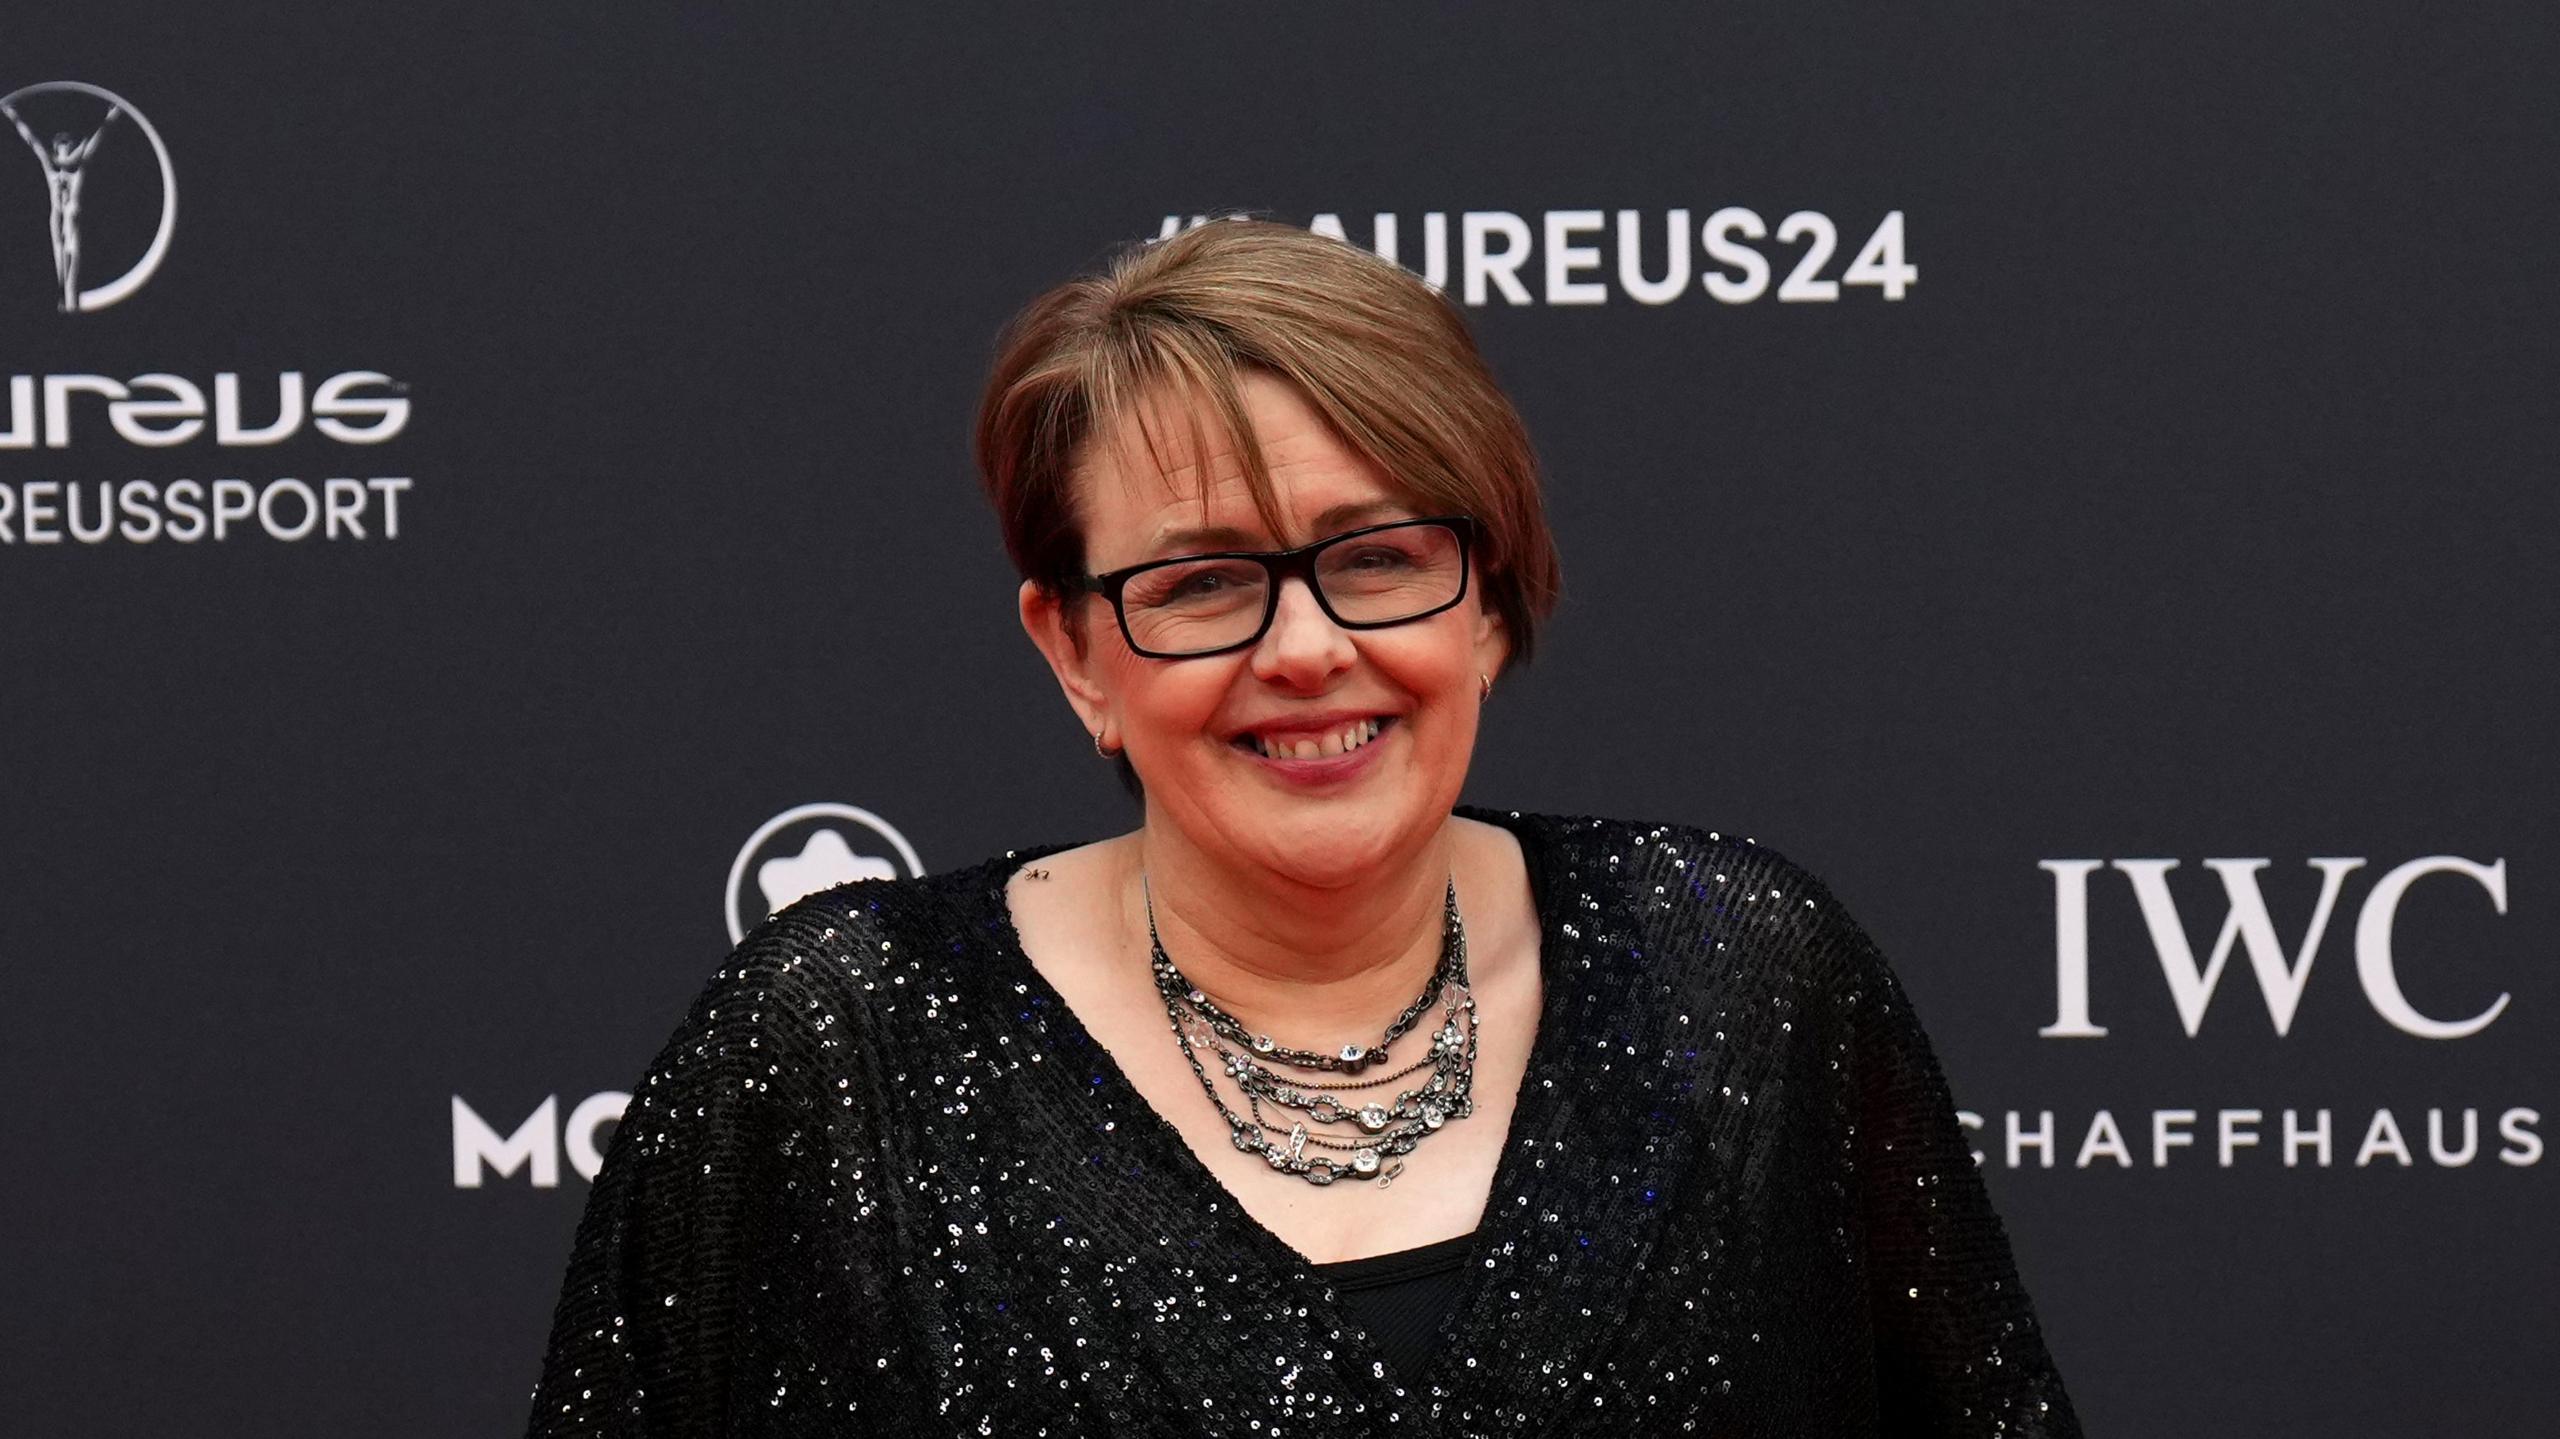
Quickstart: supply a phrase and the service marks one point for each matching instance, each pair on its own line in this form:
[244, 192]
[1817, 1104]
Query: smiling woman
[1272, 662]
[1315, 1101]
[1164, 409]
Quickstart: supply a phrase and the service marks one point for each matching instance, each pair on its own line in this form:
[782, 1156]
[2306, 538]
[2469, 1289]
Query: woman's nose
[1304, 646]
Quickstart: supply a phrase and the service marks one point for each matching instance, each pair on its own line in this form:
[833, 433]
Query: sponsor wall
[485, 516]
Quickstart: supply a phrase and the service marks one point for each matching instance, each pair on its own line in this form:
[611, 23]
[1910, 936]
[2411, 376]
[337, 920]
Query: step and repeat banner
[485, 515]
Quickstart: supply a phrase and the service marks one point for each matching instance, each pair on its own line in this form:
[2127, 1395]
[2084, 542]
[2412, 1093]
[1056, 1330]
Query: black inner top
[1401, 1298]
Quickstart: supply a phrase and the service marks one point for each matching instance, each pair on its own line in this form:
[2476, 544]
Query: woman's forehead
[1130, 517]
[1177, 439]
[1171, 479]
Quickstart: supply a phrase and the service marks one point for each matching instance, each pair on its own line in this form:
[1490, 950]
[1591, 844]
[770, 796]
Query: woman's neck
[1313, 967]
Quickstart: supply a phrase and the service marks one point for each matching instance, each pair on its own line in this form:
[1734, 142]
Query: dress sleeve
[730, 1266]
[1958, 1349]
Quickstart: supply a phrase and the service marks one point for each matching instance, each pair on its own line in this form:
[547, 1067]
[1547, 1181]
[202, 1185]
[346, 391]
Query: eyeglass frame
[1280, 565]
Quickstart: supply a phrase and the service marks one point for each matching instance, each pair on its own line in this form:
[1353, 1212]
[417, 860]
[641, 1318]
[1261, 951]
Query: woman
[1312, 1105]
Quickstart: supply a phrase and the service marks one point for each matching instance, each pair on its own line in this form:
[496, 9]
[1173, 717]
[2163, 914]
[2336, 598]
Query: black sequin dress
[881, 1181]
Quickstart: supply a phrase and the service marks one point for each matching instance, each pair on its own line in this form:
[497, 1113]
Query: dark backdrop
[2192, 502]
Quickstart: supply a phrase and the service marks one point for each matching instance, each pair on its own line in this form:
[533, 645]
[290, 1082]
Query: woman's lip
[1315, 729]
[1323, 769]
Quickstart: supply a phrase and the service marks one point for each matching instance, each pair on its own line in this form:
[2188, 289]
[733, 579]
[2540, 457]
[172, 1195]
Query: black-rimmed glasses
[1363, 579]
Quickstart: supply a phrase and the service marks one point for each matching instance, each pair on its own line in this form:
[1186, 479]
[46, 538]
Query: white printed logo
[2247, 926]
[66, 124]
[537, 1143]
[1509, 255]
[2280, 1125]
[803, 850]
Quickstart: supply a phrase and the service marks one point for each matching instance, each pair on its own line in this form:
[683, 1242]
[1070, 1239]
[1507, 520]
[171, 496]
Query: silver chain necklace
[1380, 1131]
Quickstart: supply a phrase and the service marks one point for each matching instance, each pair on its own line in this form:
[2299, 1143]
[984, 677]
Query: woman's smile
[1315, 758]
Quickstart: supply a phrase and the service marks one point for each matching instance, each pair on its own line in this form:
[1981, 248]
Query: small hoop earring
[1487, 692]
[1097, 745]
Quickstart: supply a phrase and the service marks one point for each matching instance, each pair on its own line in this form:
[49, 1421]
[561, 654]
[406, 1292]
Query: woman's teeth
[1349, 737]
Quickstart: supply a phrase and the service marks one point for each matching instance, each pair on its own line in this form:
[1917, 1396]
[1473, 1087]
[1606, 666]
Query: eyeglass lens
[1193, 606]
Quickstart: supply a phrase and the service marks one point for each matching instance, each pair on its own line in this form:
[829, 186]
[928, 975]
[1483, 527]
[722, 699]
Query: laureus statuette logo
[68, 126]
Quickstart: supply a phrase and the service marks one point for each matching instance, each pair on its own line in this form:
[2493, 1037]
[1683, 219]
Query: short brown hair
[1385, 358]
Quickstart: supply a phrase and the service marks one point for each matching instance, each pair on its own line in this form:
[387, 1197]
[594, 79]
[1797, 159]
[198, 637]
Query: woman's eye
[1190, 586]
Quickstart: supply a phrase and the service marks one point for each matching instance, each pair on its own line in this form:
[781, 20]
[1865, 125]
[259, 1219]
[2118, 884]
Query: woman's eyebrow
[1228, 537]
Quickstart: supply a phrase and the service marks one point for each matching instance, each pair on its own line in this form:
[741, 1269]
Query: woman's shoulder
[866, 941]
[1685, 888]
[969, 897]
[1622, 851]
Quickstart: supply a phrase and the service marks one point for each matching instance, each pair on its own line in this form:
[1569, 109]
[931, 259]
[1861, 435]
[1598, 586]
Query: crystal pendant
[1373, 1118]
[1365, 1161]
[1351, 1054]
[1263, 1044]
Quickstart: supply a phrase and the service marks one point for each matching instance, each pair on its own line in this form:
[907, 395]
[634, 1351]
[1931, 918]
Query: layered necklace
[1357, 1130]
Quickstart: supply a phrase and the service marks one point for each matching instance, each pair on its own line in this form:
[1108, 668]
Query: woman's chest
[1673, 1206]
[1435, 1191]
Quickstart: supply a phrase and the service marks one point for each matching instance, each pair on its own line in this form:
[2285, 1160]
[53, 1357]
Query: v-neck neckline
[1505, 1219]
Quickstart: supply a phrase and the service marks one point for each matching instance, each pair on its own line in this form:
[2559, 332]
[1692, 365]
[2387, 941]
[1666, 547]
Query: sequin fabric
[881, 1181]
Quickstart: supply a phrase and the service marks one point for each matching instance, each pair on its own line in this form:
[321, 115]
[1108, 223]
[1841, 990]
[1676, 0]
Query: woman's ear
[1046, 620]
[1492, 642]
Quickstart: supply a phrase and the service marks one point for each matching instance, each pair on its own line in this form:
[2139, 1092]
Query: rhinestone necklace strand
[1381, 1132]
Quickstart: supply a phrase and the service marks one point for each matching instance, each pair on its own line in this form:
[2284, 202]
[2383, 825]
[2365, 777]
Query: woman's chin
[1326, 850]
